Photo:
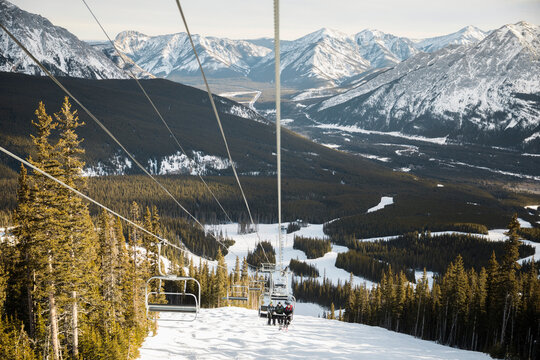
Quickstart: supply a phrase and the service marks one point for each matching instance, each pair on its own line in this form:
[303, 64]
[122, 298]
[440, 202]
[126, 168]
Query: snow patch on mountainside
[356, 129]
[117, 165]
[385, 201]
[178, 163]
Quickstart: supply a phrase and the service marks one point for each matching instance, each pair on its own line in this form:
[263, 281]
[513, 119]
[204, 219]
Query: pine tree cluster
[313, 248]
[301, 268]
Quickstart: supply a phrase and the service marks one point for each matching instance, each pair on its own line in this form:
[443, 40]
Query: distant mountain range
[323, 58]
[471, 85]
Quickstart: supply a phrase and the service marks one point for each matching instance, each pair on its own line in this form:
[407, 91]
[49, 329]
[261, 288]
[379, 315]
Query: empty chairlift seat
[238, 293]
[169, 294]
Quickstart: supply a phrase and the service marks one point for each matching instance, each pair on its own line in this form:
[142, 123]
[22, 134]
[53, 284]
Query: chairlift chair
[257, 285]
[238, 293]
[176, 301]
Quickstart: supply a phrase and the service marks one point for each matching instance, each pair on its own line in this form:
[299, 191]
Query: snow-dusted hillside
[237, 333]
[60, 51]
[177, 163]
[487, 90]
[168, 55]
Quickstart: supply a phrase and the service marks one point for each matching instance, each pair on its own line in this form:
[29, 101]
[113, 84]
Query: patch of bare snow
[385, 201]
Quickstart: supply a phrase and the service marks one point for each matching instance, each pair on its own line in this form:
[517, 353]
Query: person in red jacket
[288, 313]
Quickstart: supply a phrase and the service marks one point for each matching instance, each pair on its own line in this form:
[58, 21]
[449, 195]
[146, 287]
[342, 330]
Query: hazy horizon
[254, 20]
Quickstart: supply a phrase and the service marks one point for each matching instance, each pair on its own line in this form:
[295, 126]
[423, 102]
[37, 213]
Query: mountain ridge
[61, 52]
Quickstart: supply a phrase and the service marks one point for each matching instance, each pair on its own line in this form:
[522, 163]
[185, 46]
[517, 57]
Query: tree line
[416, 251]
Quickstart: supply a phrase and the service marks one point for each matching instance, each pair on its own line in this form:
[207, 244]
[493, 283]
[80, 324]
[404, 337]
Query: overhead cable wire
[130, 73]
[218, 120]
[92, 116]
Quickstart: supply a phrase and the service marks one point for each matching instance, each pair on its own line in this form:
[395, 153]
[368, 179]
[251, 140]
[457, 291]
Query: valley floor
[237, 333]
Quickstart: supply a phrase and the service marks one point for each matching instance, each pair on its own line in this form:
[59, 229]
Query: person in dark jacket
[279, 313]
[270, 313]
[288, 313]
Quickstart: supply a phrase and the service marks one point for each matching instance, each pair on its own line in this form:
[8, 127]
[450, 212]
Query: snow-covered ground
[237, 333]
[326, 264]
[309, 309]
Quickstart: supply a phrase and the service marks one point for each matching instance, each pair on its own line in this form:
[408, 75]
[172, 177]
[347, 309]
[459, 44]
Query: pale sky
[249, 19]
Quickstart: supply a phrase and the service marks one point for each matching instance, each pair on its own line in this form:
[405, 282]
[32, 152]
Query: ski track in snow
[237, 333]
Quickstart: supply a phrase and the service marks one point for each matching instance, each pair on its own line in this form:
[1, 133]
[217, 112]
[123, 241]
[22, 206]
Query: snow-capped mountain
[383, 49]
[468, 92]
[59, 50]
[467, 36]
[324, 57]
[169, 55]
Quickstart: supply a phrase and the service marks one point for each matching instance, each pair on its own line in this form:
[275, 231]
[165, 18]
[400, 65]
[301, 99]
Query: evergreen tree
[221, 278]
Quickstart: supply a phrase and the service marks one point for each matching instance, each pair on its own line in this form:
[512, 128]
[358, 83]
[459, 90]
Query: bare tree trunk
[473, 332]
[75, 324]
[53, 316]
[135, 275]
[423, 321]
[506, 314]
[417, 317]
[30, 303]
[443, 325]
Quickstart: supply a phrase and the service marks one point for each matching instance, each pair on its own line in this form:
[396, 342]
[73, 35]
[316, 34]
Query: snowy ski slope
[237, 333]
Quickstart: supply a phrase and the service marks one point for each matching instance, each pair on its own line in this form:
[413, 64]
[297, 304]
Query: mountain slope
[489, 92]
[60, 51]
[125, 111]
